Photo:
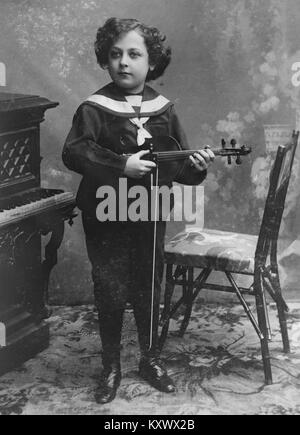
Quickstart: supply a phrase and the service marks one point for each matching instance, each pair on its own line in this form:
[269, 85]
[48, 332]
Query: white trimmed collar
[134, 100]
[110, 105]
[152, 106]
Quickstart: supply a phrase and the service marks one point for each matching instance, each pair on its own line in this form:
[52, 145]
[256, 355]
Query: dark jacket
[101, 133]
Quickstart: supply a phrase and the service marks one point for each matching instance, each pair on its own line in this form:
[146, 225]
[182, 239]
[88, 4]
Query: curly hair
[159, 54]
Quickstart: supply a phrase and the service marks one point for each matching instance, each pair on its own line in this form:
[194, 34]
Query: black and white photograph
[149, 210]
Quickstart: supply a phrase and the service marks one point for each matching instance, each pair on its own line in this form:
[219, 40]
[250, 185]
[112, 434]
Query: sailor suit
[106, 127]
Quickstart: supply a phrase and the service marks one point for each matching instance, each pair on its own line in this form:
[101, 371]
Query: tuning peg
[223, 143]
[238, 160]
[233, 143]
[229, 160]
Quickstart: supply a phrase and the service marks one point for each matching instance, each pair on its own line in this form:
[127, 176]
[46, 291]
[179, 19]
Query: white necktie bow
[142, 133]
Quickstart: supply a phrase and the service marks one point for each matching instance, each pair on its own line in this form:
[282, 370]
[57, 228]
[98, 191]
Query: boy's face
[128, 62]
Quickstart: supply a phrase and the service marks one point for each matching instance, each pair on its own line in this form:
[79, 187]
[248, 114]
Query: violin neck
[182, 154]
[187, 153]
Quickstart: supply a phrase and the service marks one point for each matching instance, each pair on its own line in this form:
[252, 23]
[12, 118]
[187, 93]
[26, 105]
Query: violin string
[180, 156]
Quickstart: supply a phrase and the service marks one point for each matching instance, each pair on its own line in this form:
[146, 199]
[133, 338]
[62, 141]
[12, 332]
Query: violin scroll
[233, 151]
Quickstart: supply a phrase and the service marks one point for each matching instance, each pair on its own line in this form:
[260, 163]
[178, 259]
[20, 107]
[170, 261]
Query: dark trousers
[121, 255]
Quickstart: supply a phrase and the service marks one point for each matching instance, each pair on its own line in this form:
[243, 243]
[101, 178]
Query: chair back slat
[279, 182]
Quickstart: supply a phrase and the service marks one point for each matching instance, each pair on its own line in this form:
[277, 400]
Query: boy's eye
[134, 54]
[115, 54]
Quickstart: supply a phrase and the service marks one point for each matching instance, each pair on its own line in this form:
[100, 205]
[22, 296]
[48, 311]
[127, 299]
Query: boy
[106, 127]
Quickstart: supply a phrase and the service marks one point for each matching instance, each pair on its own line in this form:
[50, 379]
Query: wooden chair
[234, 253]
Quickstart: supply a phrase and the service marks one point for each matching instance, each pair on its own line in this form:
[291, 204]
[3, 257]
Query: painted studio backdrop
[230, 76]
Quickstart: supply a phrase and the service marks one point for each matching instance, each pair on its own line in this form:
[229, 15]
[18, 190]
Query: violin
[166, 152]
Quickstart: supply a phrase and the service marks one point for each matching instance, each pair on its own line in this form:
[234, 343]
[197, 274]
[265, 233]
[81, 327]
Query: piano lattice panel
[16, 155]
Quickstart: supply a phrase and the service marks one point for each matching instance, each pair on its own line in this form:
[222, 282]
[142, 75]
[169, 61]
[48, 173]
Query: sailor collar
[112, 101]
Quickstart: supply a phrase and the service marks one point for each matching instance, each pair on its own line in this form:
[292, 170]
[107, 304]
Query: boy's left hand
[202, 159]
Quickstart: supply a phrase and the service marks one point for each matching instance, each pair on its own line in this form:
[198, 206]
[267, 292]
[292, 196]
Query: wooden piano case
[24, 269]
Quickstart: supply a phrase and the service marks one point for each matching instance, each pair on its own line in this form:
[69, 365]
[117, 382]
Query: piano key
[50, 203]
[27, 197]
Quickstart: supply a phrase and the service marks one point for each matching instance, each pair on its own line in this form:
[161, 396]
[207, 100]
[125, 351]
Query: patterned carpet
[216, 366]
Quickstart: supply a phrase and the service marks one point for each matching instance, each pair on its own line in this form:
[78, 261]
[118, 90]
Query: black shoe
[109, 383]
[152, 370]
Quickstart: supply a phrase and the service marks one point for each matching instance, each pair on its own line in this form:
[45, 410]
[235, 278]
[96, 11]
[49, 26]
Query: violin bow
[154, 184]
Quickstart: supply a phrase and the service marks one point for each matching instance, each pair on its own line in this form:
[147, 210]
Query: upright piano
[28, 212]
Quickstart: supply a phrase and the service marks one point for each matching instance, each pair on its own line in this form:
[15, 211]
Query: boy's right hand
[136, 167]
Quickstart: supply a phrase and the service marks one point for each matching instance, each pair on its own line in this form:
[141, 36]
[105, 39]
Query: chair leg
[169, 290]
[258, 287]
[165, 317]
[281, 307]
[282, 318]
[244, 304]
[267, 317]
[169, 312]
[184, 281]
[273, 287]
[189, 302]
[283, 329]
[196, 284]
